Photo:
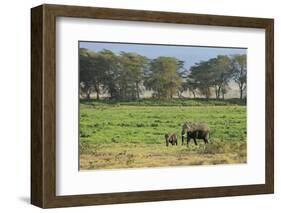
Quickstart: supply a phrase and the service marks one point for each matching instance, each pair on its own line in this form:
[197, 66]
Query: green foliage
[86, 74]
[118, 75]
[216, 73]
[201, 75]
[132, 69]
[96, 69]
[221, 67]
[164, 78]
[239, 71]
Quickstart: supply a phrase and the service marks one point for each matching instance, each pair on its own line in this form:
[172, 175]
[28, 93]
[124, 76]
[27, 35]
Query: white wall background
[15, 105]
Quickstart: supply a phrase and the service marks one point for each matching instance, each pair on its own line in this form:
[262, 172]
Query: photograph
[159, 105]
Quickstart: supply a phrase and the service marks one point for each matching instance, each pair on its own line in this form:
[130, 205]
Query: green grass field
[131, 134]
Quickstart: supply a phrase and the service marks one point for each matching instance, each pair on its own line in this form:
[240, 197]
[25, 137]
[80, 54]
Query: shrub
[212, 148]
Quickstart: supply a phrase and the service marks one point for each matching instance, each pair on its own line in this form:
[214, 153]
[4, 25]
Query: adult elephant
[195, 131]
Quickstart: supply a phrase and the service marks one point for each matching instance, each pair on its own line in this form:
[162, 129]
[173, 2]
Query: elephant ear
[187, 126]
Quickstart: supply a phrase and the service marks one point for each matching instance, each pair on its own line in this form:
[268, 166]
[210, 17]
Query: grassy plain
[131, 134]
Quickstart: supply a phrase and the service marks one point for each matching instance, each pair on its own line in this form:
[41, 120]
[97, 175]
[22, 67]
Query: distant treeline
[127, 75]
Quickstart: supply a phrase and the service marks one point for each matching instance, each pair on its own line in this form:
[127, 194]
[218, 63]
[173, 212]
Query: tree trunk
[207, 95]
[137, 90]
[194, 95]
[241, 90]
[241, 93]
[97, 90]
[88, 95]
[179, 94]
[219, 92]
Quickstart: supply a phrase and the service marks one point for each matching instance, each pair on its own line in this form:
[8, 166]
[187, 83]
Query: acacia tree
[239, 72]
[132, 69]
[98, 72]
[191, 86]
[164, 78]
[86, 74]
[214, 73]
[182, 72]
[109, 65]
[221, 70]
[201, 77]
[224, 89]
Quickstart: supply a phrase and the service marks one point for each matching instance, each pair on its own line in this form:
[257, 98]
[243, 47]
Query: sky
[189, 54]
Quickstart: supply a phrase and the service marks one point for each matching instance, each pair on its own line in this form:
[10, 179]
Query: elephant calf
[171, 138]
[195, 131]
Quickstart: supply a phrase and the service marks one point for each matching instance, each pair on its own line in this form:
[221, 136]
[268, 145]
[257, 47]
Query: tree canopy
[164, 78]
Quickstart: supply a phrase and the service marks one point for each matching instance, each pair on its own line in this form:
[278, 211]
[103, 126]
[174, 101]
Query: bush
[212, 148]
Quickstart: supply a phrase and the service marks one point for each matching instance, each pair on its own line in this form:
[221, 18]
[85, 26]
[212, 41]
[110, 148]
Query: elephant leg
[187, 141]
[195, 141]
[207, 138]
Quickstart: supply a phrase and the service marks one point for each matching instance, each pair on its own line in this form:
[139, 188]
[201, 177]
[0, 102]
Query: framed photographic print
[136, 106]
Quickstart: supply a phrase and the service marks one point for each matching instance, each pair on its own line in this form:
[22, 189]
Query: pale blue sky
[189, 54]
